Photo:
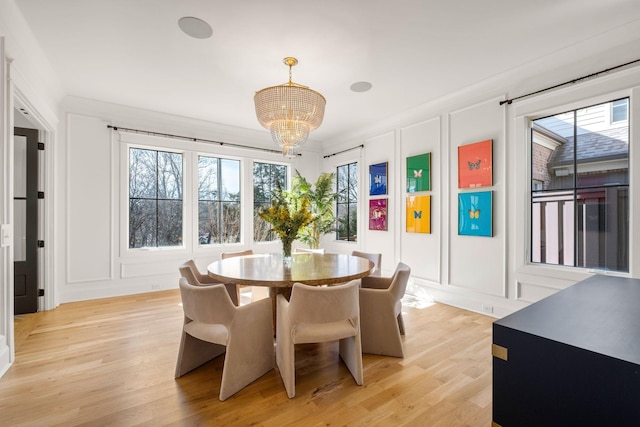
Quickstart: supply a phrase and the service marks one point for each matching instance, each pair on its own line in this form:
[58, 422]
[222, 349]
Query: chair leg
[285, 349]
[350, 350]
[401, 323]
[194, 353]
[249, 348]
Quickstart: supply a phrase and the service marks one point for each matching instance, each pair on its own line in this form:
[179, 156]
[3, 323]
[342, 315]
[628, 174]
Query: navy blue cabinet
[571, 359]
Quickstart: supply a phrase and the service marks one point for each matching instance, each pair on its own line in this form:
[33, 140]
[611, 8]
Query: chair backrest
[375, 258]
[225, 255]
[309, 251]
[316, 304]
[196, 271]
[206, 304]
[399, 281]
[190, 273]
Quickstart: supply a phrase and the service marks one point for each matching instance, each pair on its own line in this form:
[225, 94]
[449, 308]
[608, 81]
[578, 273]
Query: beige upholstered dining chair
[309, 251]
[375, 258]
[381, 312]
[213, 325]
[225, 255]
[190, 271]
[318, 314]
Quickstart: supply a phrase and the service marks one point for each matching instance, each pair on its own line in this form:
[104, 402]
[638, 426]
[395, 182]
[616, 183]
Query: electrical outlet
[487, 309]
[155, 286]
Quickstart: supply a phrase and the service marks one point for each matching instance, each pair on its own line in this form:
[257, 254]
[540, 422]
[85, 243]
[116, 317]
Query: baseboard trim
[5, 364]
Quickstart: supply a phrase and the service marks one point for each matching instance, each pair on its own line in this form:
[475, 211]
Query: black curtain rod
[344, 151]
[576, 80]
[189, 138]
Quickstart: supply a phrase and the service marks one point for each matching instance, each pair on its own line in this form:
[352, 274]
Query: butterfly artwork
[378, 214]
[475, 211]
[378, 179]
[419, 173]
[418, 214]
[475, 165]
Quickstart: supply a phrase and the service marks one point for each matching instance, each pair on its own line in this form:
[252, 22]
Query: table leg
[273, 294]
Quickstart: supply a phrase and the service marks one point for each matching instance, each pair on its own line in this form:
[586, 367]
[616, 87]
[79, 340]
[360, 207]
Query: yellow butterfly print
[474, 214]
[417, 173]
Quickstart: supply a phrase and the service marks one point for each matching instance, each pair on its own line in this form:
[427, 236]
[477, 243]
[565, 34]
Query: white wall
[94, 260]
[26, 79]
[490, 275]
[85, 226]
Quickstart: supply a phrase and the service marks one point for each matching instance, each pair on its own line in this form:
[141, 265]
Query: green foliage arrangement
[321, 199]
[288, 215]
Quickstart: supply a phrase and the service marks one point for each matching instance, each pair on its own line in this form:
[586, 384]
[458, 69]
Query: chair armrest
[205, 279]
[373, 282]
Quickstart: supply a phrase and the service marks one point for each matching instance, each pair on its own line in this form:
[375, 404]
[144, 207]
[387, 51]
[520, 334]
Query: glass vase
[286, 252]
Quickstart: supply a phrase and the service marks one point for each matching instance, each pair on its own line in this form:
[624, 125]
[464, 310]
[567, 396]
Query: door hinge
[40, 292]
[41, 146]
[41, 243]
[40, 194]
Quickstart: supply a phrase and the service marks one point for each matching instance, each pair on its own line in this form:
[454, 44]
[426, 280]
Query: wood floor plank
[111, 362]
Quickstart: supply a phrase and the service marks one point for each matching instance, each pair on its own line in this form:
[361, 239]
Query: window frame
[125, 198]
[287, 185]
[613, 108]
[220, 203]
[348, 202]
[577, 188]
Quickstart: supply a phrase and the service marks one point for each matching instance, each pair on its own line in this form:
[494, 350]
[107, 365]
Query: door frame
[12, 98]
[29, 266]
[46, 184]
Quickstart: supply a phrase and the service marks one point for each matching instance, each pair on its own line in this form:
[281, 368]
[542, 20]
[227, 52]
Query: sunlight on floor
[417, 296]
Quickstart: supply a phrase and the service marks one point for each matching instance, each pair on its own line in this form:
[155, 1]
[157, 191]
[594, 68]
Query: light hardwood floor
[111, 362]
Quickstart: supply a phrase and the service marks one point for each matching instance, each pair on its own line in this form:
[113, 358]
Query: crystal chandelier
[290, 111]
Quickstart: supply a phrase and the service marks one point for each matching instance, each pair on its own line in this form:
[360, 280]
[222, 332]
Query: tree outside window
[266, 178]
[218, 200]
[155, 198]
[347, 202]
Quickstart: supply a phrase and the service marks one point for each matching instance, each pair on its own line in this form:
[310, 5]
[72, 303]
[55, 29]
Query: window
[620, 110]
[155, 198]
[580, 190]
[266, 178]
[347, 204]
[218, 200]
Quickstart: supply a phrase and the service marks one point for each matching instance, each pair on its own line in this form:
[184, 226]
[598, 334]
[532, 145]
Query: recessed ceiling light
[195, 27]
[361, 86]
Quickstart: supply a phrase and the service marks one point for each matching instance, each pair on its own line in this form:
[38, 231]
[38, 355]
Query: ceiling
[411, 51]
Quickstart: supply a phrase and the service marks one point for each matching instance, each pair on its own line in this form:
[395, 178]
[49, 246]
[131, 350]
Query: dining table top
[272, 270]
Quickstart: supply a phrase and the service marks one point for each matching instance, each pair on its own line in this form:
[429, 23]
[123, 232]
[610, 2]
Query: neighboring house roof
[595, 146]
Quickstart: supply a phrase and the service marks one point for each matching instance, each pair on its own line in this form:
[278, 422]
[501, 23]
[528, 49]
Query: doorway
[25, 216]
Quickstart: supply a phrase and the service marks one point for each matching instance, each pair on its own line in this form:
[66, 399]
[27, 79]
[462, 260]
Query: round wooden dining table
[308, 268]
[271, 270]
